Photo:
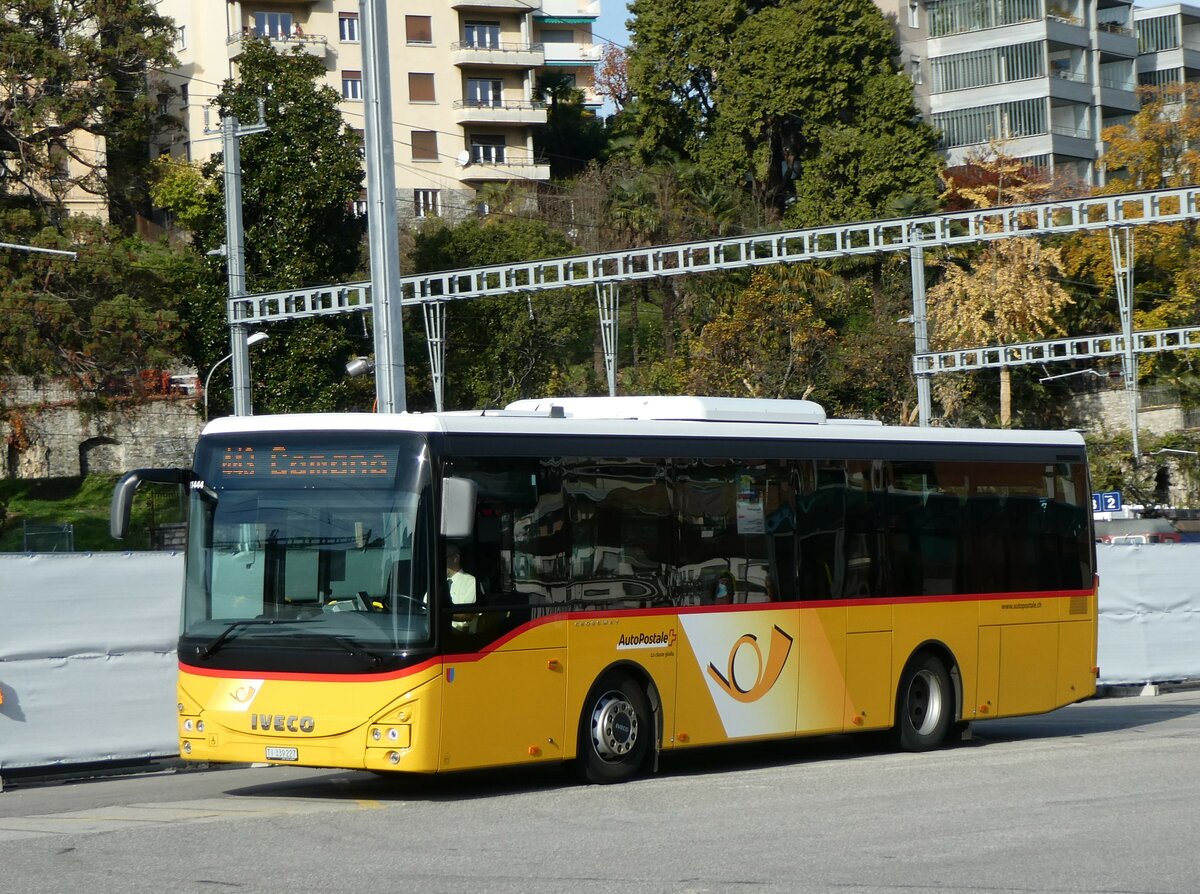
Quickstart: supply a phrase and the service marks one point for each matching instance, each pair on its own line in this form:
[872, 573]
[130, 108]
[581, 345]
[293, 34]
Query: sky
[611, 24]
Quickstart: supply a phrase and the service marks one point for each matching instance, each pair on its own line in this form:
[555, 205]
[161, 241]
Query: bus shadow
[1076, 721]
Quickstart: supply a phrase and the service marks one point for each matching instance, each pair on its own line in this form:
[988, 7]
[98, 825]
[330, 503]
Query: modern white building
[1041, 77]
[463, 80]
[1168, 44]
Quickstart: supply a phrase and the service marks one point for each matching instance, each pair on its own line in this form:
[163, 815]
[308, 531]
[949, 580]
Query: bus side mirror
[458, 507]
[126, 487]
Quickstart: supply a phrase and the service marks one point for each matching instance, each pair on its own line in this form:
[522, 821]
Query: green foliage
[182, 190]
[505, 348]
[767, 343]
[103, 317]
[299, 178]
[84, 504]
[74, 71]
[572, 135]
[809, 107]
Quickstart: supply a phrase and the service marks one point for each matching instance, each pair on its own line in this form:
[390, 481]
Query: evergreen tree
[79, 85]
[299, 181]
[809, 108]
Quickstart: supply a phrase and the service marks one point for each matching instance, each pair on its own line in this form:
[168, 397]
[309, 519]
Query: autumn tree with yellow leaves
[1005, 294]
[768, 342]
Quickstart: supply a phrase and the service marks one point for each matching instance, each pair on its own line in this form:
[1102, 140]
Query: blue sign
[1108, 501]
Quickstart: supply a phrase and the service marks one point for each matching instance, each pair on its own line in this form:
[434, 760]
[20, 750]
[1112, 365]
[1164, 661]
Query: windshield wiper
[372, 658]
[210, 647]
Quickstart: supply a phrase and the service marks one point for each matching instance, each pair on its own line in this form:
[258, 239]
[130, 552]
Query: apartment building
[463, 75]
[1041, 77]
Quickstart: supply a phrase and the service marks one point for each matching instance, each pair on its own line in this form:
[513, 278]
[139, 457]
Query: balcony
[509, 169]
[500, 55]
[572, 53]
[309, 44]
[520, 5]
[571, 8]
[519, 112]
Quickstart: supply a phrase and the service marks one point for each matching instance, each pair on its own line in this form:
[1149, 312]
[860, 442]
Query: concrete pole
[916, 263]
[382, 227]
[235, 262]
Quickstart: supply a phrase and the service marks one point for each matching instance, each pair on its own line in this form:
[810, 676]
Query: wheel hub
[925, 702]
[614, 726]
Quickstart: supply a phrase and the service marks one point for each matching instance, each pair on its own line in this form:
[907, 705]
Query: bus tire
[616, 731]
[924, 704]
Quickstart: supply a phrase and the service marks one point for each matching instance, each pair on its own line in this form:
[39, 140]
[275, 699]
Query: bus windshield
[308, 544]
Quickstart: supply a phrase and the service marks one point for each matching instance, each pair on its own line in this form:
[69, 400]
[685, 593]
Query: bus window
[735, 531]
[619, 521]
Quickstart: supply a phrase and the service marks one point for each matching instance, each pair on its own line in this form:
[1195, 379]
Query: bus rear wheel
[615, 731]
[924, 705]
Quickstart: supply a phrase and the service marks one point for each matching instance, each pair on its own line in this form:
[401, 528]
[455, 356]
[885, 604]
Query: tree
[76, 69]
[103, 321]
[1007, 293]
[612, 77]
[572, 136]
[767, 343]
[501, 349]
[1155, 149]
[809, 108]
[299, 180]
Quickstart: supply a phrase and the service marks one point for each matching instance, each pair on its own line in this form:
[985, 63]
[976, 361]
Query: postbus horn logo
[767, 673]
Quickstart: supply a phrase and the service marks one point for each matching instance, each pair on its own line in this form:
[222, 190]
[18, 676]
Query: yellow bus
[601, 580]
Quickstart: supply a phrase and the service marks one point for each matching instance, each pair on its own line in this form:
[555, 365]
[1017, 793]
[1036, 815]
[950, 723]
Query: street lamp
[1078, 372]
[254, 339]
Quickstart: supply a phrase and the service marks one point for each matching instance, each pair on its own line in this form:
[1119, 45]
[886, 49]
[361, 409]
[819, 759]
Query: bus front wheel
[615, 731]
[924, 706]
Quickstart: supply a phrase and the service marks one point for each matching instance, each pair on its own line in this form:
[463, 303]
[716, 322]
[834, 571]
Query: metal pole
[382, 226]
[916, 264]
[435, 339]
[1122, 256]
[235, 262]
[608, 300]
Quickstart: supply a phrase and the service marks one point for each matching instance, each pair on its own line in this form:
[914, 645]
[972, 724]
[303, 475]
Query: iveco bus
[600, 580]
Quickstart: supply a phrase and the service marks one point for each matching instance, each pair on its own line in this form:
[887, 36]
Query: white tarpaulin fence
[1149, 612]
[87, 645]
[87, 657]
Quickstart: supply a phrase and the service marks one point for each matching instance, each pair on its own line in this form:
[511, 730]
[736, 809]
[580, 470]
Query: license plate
[283, 754]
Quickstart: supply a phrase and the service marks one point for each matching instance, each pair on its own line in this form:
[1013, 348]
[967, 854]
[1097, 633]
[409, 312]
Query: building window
[426, 203]
[485, 92]
[348, 27]
[482, 34]
[914, 70]
[557, 35]
[359, 207]
[958, 16]
[183, 94]
[424, 145]
[487, 149]
[352, 85]
[181, 37]
[914, 14]
[420, 87]
[418, 29]
[60, 159]
[965, 127]
[276, 25]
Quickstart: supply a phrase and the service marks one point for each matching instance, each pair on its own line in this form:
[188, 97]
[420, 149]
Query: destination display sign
[280, 461]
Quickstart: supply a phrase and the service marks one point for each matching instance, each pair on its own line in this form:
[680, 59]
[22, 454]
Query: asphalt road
[1098, 797]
